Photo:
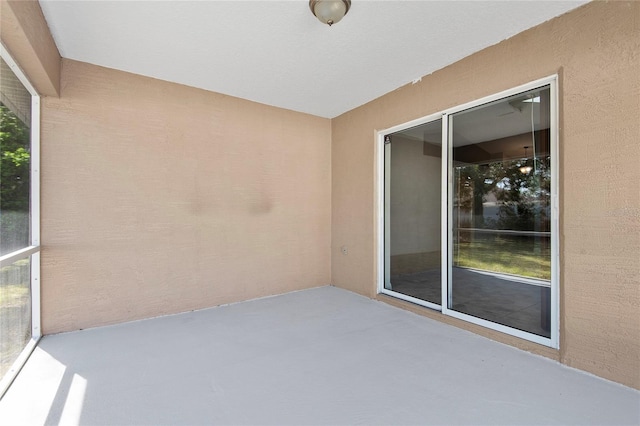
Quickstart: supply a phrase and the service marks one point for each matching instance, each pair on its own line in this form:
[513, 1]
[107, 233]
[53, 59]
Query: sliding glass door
[413, 159]
[470, 212]
[500, 265]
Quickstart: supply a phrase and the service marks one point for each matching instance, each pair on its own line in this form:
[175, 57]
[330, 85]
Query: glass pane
[15, 311]
[414, 211]
[15, 162]
[501, 269]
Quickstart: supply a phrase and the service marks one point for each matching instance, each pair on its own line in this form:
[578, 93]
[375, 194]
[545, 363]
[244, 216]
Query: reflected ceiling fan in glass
[526, 168]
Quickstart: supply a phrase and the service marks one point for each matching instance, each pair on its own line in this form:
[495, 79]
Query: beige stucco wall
[158, 198]
[596, 52]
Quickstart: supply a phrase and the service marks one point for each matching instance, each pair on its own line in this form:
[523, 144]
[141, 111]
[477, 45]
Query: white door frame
[382, 166]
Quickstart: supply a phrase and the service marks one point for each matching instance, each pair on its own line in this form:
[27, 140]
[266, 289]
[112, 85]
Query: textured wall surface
[596, 52]
[158, 198]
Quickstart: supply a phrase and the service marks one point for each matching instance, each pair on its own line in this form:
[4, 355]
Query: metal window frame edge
[33, 250]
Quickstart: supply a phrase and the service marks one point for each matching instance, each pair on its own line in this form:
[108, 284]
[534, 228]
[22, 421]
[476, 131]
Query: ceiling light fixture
[329, 11]
[525, 169]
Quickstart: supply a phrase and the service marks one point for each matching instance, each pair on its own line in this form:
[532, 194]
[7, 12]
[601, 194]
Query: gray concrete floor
[319, 356]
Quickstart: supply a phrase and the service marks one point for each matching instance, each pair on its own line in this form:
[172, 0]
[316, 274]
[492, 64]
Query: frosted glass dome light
[329, 11]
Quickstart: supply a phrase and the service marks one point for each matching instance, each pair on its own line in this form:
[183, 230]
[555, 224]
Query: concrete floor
[320, 356]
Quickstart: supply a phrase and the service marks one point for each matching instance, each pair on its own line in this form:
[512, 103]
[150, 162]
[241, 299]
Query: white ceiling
[278, 53]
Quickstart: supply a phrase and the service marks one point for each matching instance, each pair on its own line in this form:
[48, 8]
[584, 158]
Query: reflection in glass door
[501, 212]
[413, 164]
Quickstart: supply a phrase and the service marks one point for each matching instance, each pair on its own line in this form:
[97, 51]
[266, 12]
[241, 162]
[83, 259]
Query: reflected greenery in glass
[15, 163]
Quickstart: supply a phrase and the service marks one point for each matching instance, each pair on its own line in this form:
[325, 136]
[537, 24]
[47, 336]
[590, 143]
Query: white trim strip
[446, 227]
[413, 123]
[411, 299]
[36, 331]
[504, 94]
[35, 171]
[10, 258]
[501, 328]
[10, 375]
[554, 126]
[379, 152]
